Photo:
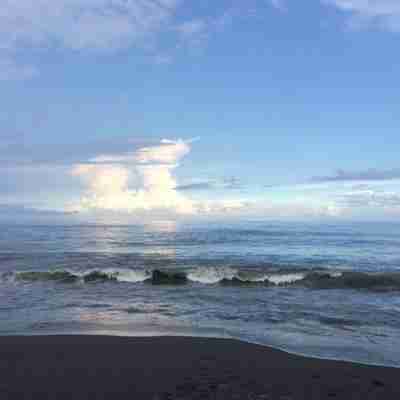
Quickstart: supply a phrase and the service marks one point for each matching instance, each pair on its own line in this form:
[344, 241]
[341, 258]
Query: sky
[138, 110]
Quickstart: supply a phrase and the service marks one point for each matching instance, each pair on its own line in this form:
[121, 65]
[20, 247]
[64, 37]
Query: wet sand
[160, 368]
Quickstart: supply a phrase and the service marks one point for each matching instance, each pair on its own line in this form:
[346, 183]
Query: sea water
[326, 290]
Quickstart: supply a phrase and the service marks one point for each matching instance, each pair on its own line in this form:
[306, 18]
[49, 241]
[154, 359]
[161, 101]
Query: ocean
[325, 290]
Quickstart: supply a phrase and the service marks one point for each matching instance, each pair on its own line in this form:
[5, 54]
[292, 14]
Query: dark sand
[98, 367]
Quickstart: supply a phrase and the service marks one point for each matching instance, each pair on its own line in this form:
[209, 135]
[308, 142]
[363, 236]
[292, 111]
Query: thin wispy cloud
[10, 212]
[77, 25]
[195, 186]
[384, 14]
[105, 26]
[367, 175]
[373, 198]
[23, 151]
[212, 185]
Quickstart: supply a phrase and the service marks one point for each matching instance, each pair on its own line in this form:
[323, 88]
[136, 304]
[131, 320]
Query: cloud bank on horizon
[367, 175]
[142, 184]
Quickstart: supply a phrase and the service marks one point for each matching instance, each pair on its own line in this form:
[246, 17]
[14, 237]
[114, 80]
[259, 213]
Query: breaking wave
[224, 276]
[66, 276]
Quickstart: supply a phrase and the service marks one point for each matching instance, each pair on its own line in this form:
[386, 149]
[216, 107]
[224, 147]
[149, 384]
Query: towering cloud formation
[139, 181]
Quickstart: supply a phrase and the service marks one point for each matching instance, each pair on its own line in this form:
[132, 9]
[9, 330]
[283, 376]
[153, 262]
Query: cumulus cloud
[145, 183]
[134, 177]
[380, 13]
[169, 152]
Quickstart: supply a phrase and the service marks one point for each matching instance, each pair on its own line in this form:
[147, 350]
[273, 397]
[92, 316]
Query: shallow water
[324, 290]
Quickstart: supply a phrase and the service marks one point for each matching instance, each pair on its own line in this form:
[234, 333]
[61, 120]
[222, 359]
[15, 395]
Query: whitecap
[128, 275]
[335, 274]
[285, 278]
[211, 275]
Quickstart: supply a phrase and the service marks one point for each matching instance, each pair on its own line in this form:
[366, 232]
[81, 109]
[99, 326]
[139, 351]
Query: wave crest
[212, 275]
[312, 279]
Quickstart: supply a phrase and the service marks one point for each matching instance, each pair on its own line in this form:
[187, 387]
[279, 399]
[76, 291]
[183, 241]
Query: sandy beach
[102, 367]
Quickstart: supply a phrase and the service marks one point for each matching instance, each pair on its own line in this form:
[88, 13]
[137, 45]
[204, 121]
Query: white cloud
[100, 25]
[143, 183]
[168, 152]
[140, 183]
[78, 24]
[372, 197]
[108, 25]
[380, 13]
[104, 25]
[151, 169]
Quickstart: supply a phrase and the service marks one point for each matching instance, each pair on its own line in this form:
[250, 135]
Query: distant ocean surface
[329, 291]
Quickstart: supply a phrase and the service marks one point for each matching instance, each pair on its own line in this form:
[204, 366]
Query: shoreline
[199, 336]
[178, 367]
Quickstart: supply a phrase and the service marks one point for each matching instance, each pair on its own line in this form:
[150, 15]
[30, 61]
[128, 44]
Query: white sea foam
[251, 277]
[285, 278]
[128, 275]
[335, 274]
[211, 275]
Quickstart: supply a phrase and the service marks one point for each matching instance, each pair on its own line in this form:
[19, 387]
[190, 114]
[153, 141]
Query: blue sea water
[323, 290]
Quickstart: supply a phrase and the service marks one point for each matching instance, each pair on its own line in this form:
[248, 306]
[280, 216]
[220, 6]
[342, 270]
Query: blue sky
[294, 107]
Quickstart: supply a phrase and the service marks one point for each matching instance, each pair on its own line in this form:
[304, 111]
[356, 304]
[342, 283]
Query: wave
[67, 276]
[212, 275]
[224, 276]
